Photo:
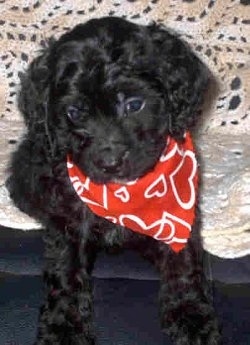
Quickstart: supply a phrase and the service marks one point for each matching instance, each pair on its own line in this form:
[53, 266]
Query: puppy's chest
[111, 235]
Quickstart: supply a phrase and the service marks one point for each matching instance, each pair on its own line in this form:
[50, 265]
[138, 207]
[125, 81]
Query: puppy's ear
[182, 76]
[33, 93]
[33, 96]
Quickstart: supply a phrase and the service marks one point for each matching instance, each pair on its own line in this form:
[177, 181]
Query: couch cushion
[22, 253]
[126, 312]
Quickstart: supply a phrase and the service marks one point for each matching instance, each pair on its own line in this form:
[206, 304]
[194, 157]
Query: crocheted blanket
[218, 30]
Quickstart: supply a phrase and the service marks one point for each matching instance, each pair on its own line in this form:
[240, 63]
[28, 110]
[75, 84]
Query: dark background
[125, 292]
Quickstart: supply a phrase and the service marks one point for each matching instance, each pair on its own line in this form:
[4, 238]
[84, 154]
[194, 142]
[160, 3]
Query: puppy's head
[108, 93]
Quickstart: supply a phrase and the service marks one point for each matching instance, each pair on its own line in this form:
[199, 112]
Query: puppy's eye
[73, 113]
[134, 105]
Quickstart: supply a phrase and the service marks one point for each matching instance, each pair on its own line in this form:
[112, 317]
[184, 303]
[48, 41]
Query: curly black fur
[76, 98]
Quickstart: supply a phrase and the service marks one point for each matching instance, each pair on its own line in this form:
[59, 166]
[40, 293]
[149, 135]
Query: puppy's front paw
[208, 335]
[193, 326]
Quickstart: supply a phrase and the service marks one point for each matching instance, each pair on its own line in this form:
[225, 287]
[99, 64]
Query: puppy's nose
[110, 162]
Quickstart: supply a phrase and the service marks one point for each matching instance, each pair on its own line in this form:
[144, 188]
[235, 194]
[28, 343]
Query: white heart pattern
[159, 227]
[177, 191]
[81, 187]
[169, 154]
[157, 189]
[123, 194]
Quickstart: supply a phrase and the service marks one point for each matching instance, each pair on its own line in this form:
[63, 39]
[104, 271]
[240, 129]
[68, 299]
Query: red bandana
[160, 204]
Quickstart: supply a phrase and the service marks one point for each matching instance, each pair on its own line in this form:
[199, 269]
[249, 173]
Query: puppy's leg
[66, 316]
[187, 314]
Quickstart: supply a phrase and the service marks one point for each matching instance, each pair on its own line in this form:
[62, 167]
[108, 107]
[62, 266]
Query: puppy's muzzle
[111, 161]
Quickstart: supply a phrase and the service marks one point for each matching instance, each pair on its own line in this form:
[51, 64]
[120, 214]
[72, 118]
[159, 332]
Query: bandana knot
[160, 204]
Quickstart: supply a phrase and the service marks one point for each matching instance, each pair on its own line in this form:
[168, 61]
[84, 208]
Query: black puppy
[109, 97]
